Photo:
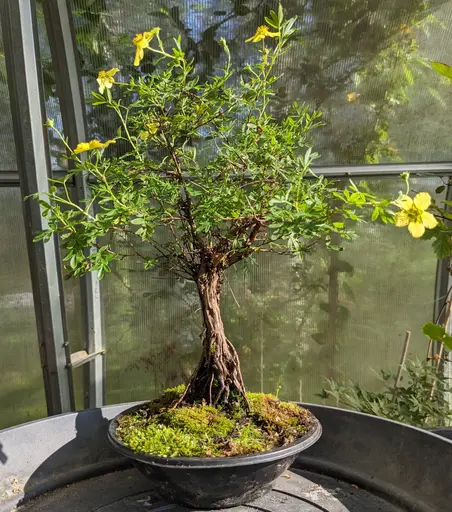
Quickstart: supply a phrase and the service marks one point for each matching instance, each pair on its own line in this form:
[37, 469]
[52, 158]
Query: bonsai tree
[209, 174]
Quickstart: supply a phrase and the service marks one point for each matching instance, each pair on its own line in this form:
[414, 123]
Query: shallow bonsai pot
[214, 483]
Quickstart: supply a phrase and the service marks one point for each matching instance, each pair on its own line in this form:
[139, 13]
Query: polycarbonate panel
[294, 322]
[52, 102]
[364, 64]
[7, 147]
[74, 320]
[21, 384]
[75, 327]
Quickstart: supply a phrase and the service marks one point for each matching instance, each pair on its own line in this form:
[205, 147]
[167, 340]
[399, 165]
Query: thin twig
[437, 363]
[438, 318]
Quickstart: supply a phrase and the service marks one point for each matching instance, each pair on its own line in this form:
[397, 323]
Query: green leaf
[437, 333]
[440, 189]
[271, 22]
[442, 245]
[138, 221]
[434, 331]
[442, 69]
[280, 14]
[447, 342]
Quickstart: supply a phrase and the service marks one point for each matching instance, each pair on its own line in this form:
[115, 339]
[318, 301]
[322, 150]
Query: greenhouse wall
[333, 315]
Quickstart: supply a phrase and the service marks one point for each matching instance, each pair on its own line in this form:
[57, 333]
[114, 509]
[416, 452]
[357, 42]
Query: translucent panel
[363, 63]
[21, 385]
[75, 325]
[334, 315]
[52, 103]
[7, 147]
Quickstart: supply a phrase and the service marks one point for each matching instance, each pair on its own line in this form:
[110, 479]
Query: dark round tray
[128, 490]
[360, 464]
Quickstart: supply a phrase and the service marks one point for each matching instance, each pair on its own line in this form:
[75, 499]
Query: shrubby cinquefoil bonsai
[212, 174]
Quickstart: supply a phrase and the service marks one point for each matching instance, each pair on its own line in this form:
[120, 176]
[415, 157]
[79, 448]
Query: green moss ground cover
[207, 431]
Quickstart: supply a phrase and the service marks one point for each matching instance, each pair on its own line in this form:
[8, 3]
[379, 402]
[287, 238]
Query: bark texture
[217, 379]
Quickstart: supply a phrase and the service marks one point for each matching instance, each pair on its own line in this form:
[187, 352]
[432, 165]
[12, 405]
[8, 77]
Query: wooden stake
[406, 344]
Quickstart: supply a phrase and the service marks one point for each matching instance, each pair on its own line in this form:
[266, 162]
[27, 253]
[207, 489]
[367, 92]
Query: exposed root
[217, 379]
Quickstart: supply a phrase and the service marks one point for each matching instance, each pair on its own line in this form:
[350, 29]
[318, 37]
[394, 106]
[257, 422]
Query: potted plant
[209, 174]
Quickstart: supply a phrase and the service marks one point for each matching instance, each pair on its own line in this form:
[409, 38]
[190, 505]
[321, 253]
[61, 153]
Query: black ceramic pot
[214, 483]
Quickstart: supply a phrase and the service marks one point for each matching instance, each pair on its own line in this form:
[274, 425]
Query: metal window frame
[442, 286]
[18, 18]
[20, 39]
[11, 178]
[61, 35]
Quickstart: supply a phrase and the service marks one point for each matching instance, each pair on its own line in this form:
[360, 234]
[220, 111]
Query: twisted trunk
[217, 379]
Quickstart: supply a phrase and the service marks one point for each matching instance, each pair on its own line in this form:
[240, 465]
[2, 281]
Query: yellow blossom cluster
[92, 144]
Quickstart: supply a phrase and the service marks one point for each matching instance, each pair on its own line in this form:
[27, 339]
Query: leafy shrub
[419, 402]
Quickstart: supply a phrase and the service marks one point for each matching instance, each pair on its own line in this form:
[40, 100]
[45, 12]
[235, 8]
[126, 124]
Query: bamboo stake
[406, 344]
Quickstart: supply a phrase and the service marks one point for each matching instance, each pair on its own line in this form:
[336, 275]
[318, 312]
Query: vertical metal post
[442, 286]
[20, 38]
[60, 31]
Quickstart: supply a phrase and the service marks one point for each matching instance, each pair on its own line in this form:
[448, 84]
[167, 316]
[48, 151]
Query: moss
[177, 390]
[286, 418]
[170, 395]
[250, 439]
[199, 420]
[206, 431]
[162, 440]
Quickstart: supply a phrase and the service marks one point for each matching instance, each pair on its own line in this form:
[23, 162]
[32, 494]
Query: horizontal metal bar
[82, 357]
[11, 178]
[381, 170]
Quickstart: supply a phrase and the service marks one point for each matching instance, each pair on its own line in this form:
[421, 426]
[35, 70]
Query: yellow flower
[152, 128]
[261, 33]
[106, 79]
[352, 97]
[82, 146]
[92, 144]
[141, 41]
[414, 215]
[405, 28]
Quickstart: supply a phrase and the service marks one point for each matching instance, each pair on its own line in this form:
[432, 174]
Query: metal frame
[20, 38]
[25, 85]
[442, 286]
[11, 178]
[60, 31]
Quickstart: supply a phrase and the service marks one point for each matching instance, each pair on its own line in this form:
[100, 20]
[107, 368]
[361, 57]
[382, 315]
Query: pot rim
[299, 445]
